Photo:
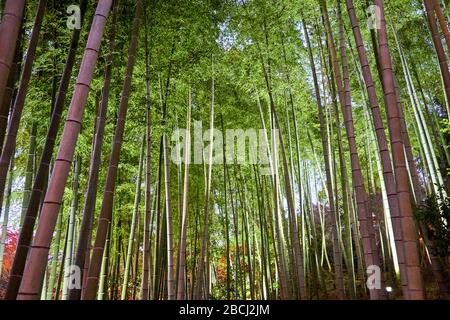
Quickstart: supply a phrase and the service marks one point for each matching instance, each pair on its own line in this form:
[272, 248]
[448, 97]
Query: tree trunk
[83, 252]
[55, 256]
[443, 64]
[37, 260]
[40, 183]
[29, 172]
[199, 293]
[331, 206]
[103, 282]
[364, 215]
[171, 294]
[63, 258]
[9, 33]
[147, 254]
[442, 23]
[71, 230]
[181, 294]
[415, 286]
[134, 225]
[108, 196]
[388, 174]
[13, 127]
[10, 92]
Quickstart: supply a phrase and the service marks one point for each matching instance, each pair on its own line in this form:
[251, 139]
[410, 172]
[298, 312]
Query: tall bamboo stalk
[388, 175]
[414, 285]
[55, 257]
[181, 294]
[19, 102]
[108, 195]
[200, 285]
[29, 171]
[37, 259]
[147, 254]
[443, 64]
[83, 252]
[40, 183]
[134, 224]
[326, 152]
[71, 230]
[9, 32]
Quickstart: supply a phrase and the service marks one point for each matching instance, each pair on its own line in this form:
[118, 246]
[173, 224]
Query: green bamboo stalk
[71, 230]
[55, 256]
[29, 171]
[131, 239]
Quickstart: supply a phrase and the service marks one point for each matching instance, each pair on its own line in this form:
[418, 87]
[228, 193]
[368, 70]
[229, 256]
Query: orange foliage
[10, 247]
[222, 270]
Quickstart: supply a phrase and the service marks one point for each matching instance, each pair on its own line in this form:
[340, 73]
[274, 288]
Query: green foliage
[435, 215]
[191, 42]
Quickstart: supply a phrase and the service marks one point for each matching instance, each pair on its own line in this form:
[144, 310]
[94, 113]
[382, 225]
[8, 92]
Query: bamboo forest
[224, 150]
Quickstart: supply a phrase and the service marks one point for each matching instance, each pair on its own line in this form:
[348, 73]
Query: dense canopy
[224, 149]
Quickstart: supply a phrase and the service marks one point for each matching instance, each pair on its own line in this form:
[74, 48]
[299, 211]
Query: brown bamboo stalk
[364, 215]
[337, 255]
[108, 195]
[443, 64]
[414, 286]
[37, 259]
[19, 103]
[9, 32]
[442, 22]
[388, 174]
[147, 254]
[82, 253]
[181, 294]
[9, 94]
[40, 183]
